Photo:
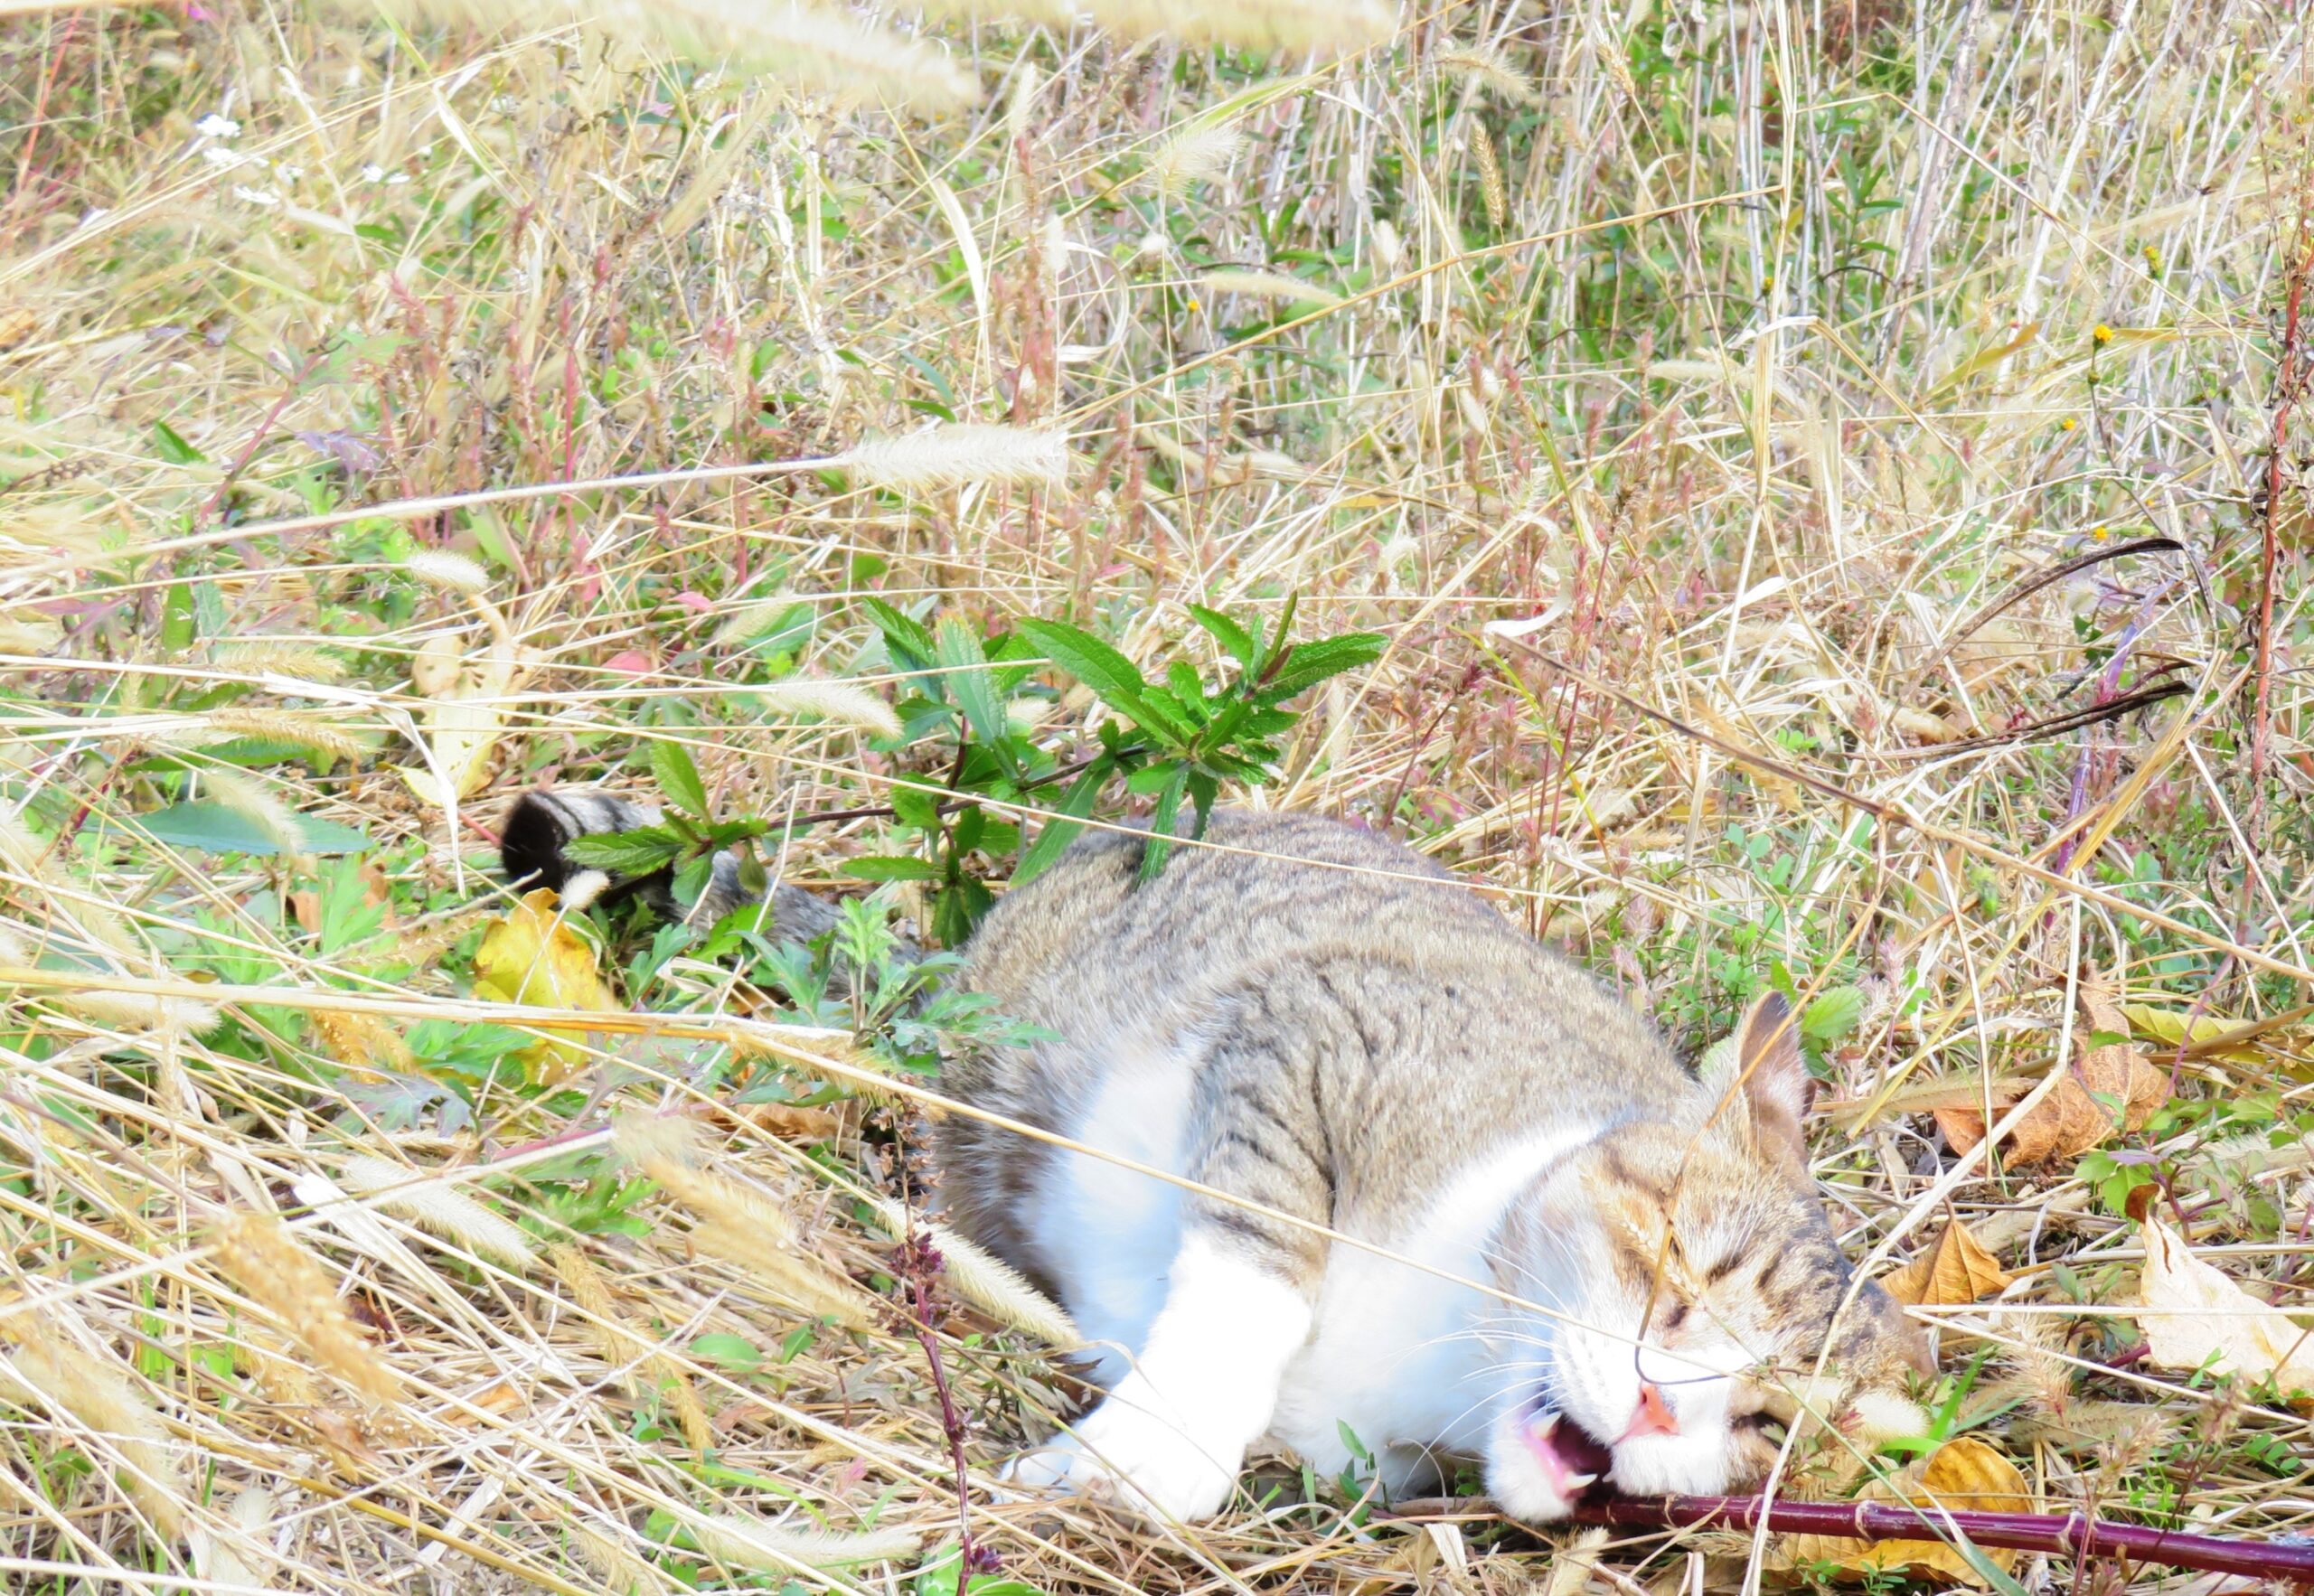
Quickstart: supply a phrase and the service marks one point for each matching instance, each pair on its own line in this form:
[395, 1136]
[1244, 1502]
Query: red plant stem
[2073, 1535]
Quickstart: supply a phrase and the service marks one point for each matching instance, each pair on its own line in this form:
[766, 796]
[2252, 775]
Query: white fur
[1397, 1356]
[1169, 1439]
[1109, 1234]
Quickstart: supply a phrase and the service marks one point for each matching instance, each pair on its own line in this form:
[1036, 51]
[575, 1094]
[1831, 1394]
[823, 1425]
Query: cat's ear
[1773, 1076]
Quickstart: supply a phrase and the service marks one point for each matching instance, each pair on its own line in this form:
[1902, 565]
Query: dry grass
[1734, 360]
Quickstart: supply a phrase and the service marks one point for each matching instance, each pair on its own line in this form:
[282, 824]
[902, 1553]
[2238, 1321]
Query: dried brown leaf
[1957, 1269]
[2080, 1112]
[1963, 1475]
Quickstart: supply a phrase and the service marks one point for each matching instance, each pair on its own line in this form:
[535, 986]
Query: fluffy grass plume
[1488, 66]
[830, 700]
[752, 620]
[283, 726]
[741, 1541]
[619, 1344]
[1324, 27]
[127, 1011]
[1194, 154]
[266, 1261]
[620, 1570]
[250, 799]
[748, 1229]
[446, 570]
[642, 1138]
[1490, 189]
[94, 1395]
[216, 1557]
[985, 1280]
[259, 655]
[960, 453]
[441, 1208]
[1268, 285]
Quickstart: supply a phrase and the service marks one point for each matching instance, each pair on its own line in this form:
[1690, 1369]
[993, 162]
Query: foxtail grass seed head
[266, 1261]
[653, 1372]
[619, 1569]
[1498, 202]
[737, 1541]
[811, 49]
[752, 619]
[441, 1208]
[830, 700]
[1194, 154]
[220, 1557]
[22, 849]
[748, 1229]
[642, 1138]
[104, 1412]
[953, 455]
[1268, 285]
[259, 656]
[159, 1014]
[1488, 66]
[985, 1280]
[446, 570]
[281, 726]
[246, 796]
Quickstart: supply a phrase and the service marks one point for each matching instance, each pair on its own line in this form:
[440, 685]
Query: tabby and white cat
[1316, 1019]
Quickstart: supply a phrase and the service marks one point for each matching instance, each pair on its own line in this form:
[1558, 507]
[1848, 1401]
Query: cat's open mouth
[1572, 1460]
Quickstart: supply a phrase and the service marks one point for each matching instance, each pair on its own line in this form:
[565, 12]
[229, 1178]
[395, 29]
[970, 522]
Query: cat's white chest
[1396, 1356]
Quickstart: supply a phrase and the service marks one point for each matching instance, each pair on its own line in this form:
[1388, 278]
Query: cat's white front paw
[1136, 1458]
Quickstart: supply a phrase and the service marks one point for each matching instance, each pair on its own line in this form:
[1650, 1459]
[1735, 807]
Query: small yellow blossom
[2067, 425]
[1195, 305]
[2100, 533]
[2102, 332]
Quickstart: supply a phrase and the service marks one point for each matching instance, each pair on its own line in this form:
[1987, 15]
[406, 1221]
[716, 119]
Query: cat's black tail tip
[531, 844]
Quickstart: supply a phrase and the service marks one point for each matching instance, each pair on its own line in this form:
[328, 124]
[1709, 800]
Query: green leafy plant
[1176, 740]
[1186, 738]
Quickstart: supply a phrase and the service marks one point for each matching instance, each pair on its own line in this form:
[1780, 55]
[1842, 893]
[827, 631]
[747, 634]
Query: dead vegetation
[1701, 398]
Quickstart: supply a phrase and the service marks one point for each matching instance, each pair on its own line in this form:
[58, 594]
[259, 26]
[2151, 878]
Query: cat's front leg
[1170, 1438]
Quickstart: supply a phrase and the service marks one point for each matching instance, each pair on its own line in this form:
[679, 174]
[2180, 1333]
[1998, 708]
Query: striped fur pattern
[1324, 1032]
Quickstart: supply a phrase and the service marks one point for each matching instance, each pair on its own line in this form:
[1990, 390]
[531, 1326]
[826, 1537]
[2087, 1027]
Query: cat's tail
[533, 849]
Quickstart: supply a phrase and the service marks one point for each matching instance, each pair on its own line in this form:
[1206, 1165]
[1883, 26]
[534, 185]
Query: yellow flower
[1195, 305]
[2098, 532]
[2102, 332]
[2067, 425]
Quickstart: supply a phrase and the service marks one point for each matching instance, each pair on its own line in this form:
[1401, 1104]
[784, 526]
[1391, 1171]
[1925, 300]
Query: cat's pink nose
[1654, 1416]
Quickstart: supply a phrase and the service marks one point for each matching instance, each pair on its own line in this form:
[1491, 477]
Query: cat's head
[1698, 1283]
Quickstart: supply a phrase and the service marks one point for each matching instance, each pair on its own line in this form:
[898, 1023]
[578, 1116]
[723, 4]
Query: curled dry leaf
[1963, 1475]
[2175, 1030]
[533, 957]
[2111, 1090]
[2194, 1315]
[1957, 1269]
